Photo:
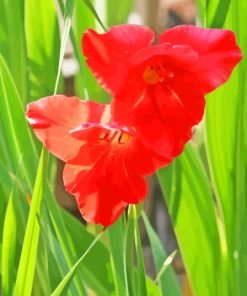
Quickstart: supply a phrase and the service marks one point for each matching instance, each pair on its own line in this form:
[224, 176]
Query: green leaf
[94, 12]
[43, 43]
[140, 274]
[152, 289]
[128, 254]
[27, 262]
[165, 265]
[12, 42]
[67, 23]
[15, 130]
[118, 11]
[226, 112]
[64, 284]
[168, 281]
[9, 246]
[186, 189]
[116, 234]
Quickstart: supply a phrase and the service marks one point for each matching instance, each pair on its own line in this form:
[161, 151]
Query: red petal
[142, 160]
[180, 56]
[96, 205]
[162, 135]
[53, 117]
[108, 54]
[217, 50]
[179, 102]
[103, 190]
[110, 171]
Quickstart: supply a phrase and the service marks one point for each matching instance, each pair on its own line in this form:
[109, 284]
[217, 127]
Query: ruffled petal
[53, 117]
[182, 56]
[217, 49]
[129, 186]
[97, 205]
[108, 54]
[104, 189]
[163, 135]
[141, 160]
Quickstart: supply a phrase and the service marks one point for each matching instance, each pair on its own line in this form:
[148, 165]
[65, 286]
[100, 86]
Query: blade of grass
[226, 149]
[128, 254]
[165, 265]
[9, 242]
[93, 11]
[100, 279]
[12, 33]
[64, 284]
[168, 281]
[14, 125]
[43, 43]
[27, 262]
[67, 24]
[9, 247]
[116, 234]
[30, 245]
[187, 192]
[141, 287]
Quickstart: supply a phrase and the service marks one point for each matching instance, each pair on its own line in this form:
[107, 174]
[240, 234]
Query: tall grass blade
[64, 284]
[12, 43]
[187, 192]
[165, 265]
[116, 234]
[16, 135]
[168, 281]
[67, 23]
[9, 246]
[27, 262]
[226, 147]
[140, 273]
[93, 11]
[43, 43]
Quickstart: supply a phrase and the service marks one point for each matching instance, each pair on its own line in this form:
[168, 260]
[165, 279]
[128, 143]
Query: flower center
[157, 73]
[115, 137]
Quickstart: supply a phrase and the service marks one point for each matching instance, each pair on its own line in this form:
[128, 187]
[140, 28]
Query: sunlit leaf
[168, 281]
[64, 284]
[27, 262]
[187, 193]
[43, 44]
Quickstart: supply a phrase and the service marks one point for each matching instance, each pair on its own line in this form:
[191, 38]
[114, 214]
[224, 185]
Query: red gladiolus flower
[160, 88]
[105, 162]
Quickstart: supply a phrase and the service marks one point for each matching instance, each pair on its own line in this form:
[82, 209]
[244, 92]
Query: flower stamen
[116, 137]
[157, 73]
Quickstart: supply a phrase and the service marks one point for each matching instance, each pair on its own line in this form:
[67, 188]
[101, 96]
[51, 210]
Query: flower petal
[96, 206]
[141, 160]
[217, 50]
[104, 189]
[108, 54]
[179, 102]
[109, 170]
[164, 136]
[53, 117]
[176, 55]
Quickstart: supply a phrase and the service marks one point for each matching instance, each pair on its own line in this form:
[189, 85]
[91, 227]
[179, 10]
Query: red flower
[160, 89]
[105, 162]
